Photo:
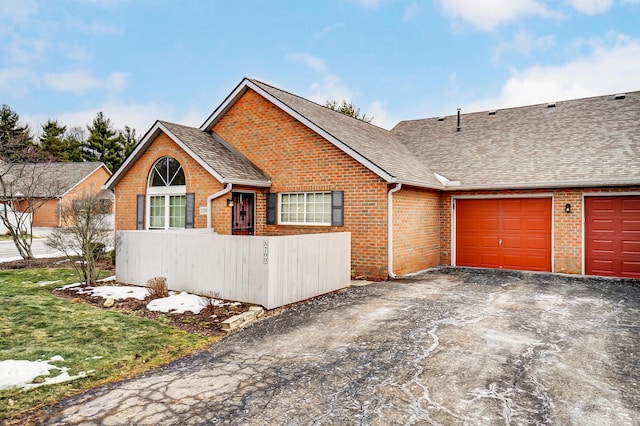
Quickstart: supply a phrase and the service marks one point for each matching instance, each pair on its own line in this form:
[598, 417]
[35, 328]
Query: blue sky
[142, 60]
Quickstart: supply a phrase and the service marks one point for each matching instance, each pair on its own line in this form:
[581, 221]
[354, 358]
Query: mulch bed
[207, 322]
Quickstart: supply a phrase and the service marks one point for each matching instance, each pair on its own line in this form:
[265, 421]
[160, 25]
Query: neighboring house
[62, 183]
[553, 187]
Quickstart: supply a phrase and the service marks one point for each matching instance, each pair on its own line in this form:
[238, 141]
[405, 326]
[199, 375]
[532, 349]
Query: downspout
[390, 230]
[212, 197]
[59, 212]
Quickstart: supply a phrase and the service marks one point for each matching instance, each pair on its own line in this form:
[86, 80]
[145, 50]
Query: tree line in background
[99, 142]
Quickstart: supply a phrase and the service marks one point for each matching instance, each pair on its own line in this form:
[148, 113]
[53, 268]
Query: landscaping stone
[109, 302]
[242, 319]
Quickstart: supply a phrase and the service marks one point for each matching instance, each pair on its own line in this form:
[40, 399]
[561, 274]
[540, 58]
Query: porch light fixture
[229, 202]
[567, 208]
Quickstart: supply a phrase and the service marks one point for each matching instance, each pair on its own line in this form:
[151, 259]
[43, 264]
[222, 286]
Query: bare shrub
[157, 288]
[209, 301]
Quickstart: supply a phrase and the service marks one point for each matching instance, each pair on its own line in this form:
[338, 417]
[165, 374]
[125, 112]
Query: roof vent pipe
[458, 126]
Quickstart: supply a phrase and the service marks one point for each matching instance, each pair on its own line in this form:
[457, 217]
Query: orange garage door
[509, 233]
[612, 236]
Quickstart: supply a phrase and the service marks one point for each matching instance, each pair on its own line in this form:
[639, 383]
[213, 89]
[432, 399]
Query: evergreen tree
[104, 143]
[348, 108]
[52, 142]
[128, 140]
[74, 141]
[16, 142]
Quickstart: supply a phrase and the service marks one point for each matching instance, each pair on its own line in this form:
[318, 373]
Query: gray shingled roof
[584, 142]
[51, 179]
[217, 153]
[377, 145]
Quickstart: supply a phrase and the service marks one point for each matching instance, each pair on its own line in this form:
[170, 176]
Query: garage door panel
[631, 226]
[631, 247]
[612, 236]
[631, 269]
[602, 225]
[512, 233]
[512, 242]
[631, 206]
[489, 224]
[537, 224]
[488, 242]
[604, 246]
[537, 243]
[602, 205]
[512, 224]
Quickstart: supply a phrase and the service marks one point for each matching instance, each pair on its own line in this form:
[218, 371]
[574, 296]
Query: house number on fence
[265, 251]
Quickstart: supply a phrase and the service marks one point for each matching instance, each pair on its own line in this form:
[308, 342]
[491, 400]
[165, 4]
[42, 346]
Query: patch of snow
[178, 303]
[107, 279]
[93, 357]
[21, 373]
[116, 292]
[43, 283]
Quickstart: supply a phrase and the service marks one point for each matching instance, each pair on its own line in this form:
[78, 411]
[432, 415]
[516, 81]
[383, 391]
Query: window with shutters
[305, 208]
[166, 195]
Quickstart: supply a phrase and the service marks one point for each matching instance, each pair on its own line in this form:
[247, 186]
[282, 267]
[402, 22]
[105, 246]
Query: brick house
[552, 187]
[62, 183]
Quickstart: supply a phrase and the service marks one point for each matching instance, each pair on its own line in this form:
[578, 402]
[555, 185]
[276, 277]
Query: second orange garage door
[506, 233]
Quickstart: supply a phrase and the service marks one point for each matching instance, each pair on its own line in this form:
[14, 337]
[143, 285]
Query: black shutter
[337, 208]
[140, 212]
[272, 208]
[190, 210]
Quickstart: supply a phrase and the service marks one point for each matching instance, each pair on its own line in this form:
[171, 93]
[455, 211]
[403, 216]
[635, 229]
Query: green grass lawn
[36, 325]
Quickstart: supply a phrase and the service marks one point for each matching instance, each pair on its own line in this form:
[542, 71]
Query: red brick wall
[47, 214]
[198, 181]
[567, 227]
[299, 160]
[416, 230]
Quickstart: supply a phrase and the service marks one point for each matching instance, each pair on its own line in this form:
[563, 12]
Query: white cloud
[330, 88]
[367, 3]
[17, 10]
[82, 81]
[17, 81]
[380, 116]
[23, 50]
[609, 68]
[592, 7]
[486, 15]
[138, 116]
[411, 11]
[523, 43]
[313, 62]
[328, 29]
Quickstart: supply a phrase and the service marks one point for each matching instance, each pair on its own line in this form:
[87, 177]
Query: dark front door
[242, 214]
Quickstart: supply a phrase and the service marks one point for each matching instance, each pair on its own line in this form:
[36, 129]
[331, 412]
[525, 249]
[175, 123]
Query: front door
[242, 214]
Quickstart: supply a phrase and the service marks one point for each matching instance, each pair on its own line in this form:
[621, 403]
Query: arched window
[166, 195]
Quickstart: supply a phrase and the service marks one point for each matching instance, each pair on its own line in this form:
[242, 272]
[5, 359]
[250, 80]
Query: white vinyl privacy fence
[267, 271]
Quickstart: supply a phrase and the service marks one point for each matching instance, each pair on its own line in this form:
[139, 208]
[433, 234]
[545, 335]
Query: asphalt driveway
[441, 348]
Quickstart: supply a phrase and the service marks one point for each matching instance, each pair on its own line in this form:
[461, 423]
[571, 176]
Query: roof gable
[55, 179]
[374, 147]
[209, 150]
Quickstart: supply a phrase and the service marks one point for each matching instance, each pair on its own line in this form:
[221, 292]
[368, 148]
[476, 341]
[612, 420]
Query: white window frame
[303, 223]
[166, 192]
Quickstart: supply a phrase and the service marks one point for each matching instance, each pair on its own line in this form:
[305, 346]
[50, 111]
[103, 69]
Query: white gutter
[212, 197]
[390, 230]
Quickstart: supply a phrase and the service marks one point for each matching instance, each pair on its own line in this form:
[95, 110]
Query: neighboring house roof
[584, 142]
[214, 154]
[51, 180]
[374, 147]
